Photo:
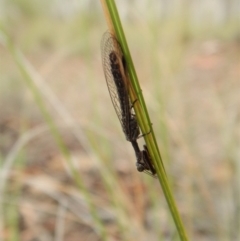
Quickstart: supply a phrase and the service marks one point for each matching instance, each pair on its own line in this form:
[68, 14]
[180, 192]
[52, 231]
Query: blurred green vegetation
[189, 74]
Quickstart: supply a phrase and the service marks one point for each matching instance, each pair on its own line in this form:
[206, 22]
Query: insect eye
[140, 167]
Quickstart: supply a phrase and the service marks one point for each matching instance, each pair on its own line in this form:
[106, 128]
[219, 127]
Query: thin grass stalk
[115, 27]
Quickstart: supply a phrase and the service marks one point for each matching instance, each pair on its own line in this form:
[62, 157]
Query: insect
[114, 67]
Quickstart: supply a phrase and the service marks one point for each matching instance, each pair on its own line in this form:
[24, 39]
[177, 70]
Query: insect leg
[134, 103]
[144, 134]
[134, 116]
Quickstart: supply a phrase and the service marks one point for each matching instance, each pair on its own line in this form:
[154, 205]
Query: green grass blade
[142, 113]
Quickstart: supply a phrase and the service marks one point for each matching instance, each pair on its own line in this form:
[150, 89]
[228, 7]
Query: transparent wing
[114, 74]
[151, 174]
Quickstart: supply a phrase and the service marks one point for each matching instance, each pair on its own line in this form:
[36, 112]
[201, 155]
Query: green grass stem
[142, 113]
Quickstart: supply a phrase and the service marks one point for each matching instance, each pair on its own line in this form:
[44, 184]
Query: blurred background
[67, 172]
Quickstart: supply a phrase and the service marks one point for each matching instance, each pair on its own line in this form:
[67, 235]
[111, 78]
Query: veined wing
[113, 66]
